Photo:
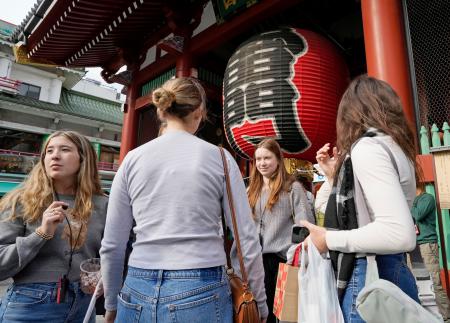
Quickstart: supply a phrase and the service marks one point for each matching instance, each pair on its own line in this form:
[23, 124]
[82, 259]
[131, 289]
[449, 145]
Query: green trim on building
[5, 187]
[157, 81]
[210, 77]
[9, 182]
[97, 148]
[434, 135]
[76, 104]
[203, 75]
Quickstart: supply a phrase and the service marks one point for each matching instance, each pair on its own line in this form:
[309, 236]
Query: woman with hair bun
[174, 188]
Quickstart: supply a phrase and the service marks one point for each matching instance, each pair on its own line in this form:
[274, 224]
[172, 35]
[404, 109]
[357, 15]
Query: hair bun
[162, 98]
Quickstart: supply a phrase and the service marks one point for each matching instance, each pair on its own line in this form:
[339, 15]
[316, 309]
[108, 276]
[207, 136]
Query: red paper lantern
[284, 84]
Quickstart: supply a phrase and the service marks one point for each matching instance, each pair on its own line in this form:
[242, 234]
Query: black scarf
[341, 214]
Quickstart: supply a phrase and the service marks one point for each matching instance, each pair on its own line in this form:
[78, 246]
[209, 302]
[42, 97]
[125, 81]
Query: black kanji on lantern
[259, 94]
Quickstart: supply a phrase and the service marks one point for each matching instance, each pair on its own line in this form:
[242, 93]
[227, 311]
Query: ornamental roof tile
[76, 104]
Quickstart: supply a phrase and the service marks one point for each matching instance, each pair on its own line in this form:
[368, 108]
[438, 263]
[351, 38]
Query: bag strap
[391, 156]
[364, 217]
[226, 242]
[291, 199]
[233, 220]
[372, 266]
[372, 270]
[385, 147]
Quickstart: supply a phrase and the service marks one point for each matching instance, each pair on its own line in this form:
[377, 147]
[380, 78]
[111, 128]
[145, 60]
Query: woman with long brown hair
[373, 172]
[277, 202]
[48, 226]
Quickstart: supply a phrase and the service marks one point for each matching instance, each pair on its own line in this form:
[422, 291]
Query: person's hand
[326, 162]
[52, 216]
[264, 320]
[110, 316]
[317, 235]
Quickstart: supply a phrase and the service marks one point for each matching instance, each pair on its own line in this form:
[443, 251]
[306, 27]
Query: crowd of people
[171, 194]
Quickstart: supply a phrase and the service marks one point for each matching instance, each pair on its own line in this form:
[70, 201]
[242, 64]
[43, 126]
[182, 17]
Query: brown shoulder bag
[244, 304]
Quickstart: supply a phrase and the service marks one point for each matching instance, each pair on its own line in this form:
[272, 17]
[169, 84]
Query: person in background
[48, 226]
[277, 202]
[371, 215]
[306, 182]
[174, 188]
[424, 212]
[321, 192]
[320, 203]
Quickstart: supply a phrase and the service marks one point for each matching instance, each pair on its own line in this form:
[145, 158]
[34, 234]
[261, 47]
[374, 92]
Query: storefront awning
[5, 187]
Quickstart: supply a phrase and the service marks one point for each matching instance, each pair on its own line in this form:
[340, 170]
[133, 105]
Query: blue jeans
[195, 295]
[390, 267]
[36, 302]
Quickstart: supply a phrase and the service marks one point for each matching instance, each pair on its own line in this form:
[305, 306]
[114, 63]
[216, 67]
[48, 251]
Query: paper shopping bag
[285, 303]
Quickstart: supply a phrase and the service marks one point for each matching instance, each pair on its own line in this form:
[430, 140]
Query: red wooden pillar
[184, 61]
[130, 122]
[184, 65]
[386, 49]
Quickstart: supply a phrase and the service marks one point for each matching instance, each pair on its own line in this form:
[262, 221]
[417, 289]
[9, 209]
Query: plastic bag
[318, 300]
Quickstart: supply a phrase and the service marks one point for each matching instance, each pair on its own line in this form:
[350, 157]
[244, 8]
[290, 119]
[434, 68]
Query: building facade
[36, 101]
[403, 42]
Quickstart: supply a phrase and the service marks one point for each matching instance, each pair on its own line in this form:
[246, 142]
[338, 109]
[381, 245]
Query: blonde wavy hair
[36, 193]
[180, 97]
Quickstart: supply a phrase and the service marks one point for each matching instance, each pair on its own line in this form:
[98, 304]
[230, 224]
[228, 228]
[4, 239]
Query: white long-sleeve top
[388, 199]
[320, 203]
[174, 188]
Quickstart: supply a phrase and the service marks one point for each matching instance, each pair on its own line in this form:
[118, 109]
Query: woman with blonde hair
[174, 188]
[372, 171]
[277, 202]
[48, 226]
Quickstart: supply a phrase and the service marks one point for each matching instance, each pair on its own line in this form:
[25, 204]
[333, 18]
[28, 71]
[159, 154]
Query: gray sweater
[174, 188]
[276, 225]
[28, 258]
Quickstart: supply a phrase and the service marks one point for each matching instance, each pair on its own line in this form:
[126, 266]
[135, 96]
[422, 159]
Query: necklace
[261, 225]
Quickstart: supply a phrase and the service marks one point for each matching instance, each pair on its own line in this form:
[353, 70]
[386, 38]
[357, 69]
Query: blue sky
[16, 12]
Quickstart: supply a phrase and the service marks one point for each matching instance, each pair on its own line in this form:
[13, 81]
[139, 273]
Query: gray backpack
[381, 301]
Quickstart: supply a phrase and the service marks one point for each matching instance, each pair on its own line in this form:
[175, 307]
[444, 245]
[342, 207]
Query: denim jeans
[390, 267]
[194, 295]
[37, 303]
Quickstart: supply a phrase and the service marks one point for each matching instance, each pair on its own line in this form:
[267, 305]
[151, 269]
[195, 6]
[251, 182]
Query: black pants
[270, 262]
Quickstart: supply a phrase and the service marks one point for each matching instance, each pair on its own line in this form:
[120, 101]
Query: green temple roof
[76, 104]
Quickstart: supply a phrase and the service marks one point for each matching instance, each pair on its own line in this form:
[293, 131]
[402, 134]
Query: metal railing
[5, 152]
[9, 85]
[108, 166]
[17, 153]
